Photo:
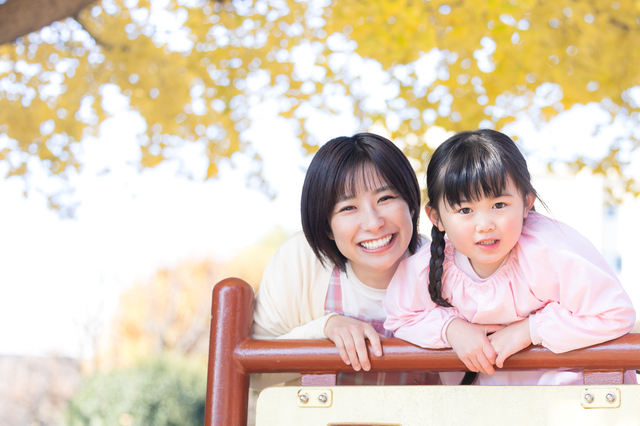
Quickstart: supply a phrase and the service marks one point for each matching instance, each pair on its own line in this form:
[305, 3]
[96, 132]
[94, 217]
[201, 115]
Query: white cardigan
[290, 301]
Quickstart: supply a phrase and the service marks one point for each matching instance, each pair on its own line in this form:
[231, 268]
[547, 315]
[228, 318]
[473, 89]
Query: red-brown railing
[233, 355]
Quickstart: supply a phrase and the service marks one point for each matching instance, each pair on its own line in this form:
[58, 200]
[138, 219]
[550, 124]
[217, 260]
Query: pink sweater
[552, 270]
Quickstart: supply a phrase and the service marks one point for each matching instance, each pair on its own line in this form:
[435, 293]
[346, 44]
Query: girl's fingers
[469, 364]
[492, 328]
[500, 361]
[478, 365]
[489, 352]
[487, 367]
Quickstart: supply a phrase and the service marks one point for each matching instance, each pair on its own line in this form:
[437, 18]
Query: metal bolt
[611, 398]
[323, 398]
[304, 398]
[589, 397]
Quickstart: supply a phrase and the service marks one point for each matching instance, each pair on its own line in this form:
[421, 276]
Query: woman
[360, 208]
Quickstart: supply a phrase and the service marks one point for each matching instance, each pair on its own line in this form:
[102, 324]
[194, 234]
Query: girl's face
[486, 230]
[372, 228]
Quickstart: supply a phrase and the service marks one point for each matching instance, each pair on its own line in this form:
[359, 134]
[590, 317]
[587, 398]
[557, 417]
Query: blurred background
[149, 149]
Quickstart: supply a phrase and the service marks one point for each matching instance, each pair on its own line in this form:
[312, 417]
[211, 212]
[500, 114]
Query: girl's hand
[510, 340]
[349, 336]
[471, 344]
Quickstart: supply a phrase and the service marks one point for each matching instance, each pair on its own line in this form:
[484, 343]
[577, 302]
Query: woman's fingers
[349, 336]
[350, 347]
[337, 340]
[375, 340]
[361, 349]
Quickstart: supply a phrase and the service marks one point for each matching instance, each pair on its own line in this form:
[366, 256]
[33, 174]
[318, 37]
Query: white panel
[449, 405]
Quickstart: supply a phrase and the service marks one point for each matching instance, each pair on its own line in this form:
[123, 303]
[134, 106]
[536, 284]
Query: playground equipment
[234, 355]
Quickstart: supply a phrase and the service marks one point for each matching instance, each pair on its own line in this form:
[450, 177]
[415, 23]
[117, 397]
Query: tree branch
[21, 17]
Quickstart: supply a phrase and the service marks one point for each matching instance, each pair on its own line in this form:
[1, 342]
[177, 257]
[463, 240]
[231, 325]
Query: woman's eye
[386, 197]
[465, 210]
[500, 205]
[346, 209]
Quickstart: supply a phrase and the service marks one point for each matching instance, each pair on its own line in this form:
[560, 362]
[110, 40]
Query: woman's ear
[529, 201]
[433, 217]
[330, 235]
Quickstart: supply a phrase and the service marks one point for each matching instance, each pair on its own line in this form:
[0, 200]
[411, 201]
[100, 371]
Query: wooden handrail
[233, 355]
[320, 356]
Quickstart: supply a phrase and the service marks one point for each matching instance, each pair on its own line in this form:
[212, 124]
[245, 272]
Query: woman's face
[372, 228]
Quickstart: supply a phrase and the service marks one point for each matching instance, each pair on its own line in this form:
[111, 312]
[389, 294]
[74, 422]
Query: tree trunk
[21, 17]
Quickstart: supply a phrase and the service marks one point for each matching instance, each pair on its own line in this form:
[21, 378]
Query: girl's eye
[346, 209]
[465, 210]
[500, 205]
[386, 197]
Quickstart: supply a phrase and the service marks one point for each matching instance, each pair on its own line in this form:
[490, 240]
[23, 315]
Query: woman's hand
[471, 344]
[510, 340]
[349, 336]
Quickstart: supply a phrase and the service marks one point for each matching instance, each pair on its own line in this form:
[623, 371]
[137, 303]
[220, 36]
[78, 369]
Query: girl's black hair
[336, 170]
[468, 167]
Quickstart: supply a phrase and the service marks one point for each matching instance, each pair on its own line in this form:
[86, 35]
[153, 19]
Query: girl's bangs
[472, 178]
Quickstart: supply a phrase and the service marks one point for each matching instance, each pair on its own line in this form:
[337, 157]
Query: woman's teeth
[372, 245]
[488, 242]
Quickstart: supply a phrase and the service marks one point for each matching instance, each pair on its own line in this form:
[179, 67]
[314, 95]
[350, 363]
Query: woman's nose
[372, 220]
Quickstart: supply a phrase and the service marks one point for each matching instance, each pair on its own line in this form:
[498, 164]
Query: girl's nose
[485, 223]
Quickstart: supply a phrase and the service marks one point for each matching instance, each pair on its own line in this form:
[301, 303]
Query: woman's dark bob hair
[335, 171]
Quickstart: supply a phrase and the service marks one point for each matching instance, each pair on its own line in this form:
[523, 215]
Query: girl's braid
[435, 283]
[435, 267]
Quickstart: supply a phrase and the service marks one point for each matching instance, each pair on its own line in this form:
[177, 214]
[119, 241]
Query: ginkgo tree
[193, 69]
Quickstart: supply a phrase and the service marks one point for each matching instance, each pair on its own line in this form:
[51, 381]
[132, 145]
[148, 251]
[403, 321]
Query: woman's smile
[378, 245]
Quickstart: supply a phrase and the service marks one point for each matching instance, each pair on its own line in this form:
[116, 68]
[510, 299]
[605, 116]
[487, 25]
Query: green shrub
[167, 391]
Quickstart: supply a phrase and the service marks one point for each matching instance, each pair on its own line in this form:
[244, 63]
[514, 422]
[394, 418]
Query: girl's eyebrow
[504, 194]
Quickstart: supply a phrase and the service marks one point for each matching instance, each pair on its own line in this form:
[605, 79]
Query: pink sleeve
[411, 314]
[586, 303]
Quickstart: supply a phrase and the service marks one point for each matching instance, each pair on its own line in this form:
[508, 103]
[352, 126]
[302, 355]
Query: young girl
[506, 277]
[360, 208]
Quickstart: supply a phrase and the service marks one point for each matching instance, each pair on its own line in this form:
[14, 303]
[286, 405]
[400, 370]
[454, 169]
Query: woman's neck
[376, 278]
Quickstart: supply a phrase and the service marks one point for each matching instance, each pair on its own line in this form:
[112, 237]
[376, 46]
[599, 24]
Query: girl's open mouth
[488, 244]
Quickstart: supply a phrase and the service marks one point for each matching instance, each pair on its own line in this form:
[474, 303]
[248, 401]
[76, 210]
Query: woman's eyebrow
[381, 189]
[345, 197]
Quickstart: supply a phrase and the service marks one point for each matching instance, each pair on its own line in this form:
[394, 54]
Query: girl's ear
[433, 217]
[330, 235]
[530, 200]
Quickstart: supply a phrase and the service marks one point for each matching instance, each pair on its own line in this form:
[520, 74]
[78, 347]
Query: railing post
[227, 380]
